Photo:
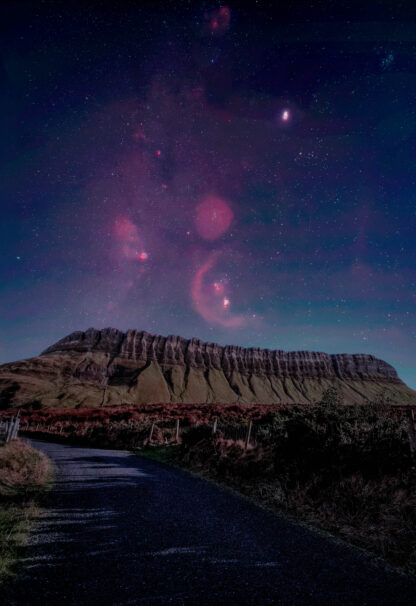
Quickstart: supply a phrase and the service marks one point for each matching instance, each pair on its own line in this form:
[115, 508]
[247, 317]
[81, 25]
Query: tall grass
[24, 474]
[348, 470]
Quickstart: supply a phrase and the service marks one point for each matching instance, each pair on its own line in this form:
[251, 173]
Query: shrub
[22, 469]
[196, 434]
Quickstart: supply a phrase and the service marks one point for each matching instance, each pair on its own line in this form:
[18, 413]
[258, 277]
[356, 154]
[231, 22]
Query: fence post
[177, 430]
[151, 432]
[248, 434]
[214, 427]
[9, 430]
[13, 429]
[16, 427]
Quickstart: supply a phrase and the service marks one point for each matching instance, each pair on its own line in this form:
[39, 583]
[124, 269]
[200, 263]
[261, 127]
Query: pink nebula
[126, 230]
[130, 241]
[207, 303]
[219, 20]
[218, 288]
[213, 218]
[285, 115]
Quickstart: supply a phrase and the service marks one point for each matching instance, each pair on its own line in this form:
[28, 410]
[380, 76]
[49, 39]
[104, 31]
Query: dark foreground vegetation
[349, 470]
[127, 426]
[24, 475]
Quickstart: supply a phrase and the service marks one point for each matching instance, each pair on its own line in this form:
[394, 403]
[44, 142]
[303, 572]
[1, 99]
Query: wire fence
[151, 432]
[156, 431]
[9, 428]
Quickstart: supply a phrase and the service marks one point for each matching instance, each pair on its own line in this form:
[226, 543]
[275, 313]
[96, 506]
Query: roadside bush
[22, 469]
[25, 473]
[196, 434]
[336, 438]
[346, 469]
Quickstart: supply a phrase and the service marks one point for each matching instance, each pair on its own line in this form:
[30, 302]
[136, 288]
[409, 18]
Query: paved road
[119, 529]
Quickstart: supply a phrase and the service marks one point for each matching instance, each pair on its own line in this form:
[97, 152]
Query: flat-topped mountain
[105, 367]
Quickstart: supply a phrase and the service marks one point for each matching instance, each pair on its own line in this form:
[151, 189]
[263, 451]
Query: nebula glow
[131, 244]
[213, 218]
[239, 173]
[213, 308]
[219, 20]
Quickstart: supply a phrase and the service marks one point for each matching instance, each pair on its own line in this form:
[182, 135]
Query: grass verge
[347, 471]
[25, 474]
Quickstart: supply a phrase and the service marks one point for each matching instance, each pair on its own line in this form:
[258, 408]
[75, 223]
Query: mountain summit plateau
[107, 367]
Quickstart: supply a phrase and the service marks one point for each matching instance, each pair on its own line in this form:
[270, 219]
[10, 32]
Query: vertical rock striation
[110, 367]
[143, 347]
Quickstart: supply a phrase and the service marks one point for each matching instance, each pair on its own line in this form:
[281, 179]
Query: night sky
[243, 173]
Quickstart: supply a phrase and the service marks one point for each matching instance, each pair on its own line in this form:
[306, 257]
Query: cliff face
[143, 347]
[103, 367]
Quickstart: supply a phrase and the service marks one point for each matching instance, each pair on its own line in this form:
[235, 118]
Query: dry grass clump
[24, 474]
[23, 469]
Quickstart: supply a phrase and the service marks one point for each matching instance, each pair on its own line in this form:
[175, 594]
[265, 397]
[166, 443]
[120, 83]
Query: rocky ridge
[110, 367]
[144, 347]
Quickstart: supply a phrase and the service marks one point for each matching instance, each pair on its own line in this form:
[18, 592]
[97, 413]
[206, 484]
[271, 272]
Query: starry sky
[240, 172]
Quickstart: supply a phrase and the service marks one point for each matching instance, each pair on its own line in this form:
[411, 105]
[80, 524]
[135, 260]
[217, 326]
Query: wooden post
[9, 430]
[214, 427]
[15, 428]
[248, 434]
[11, 427]
[151, 432]
[16, 425]
[177, 430]
[13, 431]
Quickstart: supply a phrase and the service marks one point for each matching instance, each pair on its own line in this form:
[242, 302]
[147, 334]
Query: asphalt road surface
[119, 529]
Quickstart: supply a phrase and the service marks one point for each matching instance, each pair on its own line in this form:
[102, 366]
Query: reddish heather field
[190, 413]
[128, 426]
[132, 426]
